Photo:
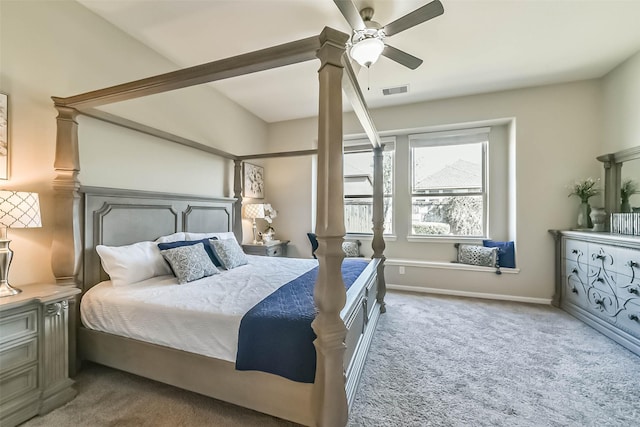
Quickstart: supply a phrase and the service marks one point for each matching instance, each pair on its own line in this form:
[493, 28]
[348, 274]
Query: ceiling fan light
[367, 51]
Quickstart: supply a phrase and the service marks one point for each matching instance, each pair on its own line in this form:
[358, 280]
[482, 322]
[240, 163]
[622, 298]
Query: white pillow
[132, 263]
[220, 236]
[175, 237]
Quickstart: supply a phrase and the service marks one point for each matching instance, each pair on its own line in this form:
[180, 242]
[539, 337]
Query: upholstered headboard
[116, 217]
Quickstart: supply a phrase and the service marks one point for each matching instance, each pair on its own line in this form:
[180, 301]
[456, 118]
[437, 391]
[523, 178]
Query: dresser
[34, 352]
[598, 281]
[273, 249]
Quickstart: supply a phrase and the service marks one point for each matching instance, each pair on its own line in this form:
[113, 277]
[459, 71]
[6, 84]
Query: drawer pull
[574, 290]
[575, 251]
[633, 317]
[633, 264]
[574, 271]
[600, 279]
[599, 302]
[600, 256]
[633, 291]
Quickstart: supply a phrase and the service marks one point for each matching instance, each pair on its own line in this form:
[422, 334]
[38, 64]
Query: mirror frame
[613, 176]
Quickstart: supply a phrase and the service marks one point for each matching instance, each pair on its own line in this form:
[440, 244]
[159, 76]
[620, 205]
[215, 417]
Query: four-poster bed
[344, 321]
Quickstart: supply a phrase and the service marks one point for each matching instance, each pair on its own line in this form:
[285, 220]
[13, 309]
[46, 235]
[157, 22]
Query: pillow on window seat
[506, 252]
[477, 255]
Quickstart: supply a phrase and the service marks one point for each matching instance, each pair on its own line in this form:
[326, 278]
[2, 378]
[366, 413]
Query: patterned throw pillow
[229, 253]
[478, 255]
[351, 249]
[189, 263]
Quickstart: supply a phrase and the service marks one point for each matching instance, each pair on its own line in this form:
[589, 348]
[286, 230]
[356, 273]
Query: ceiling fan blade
[350, 13]
[418, 16]
[401, 57]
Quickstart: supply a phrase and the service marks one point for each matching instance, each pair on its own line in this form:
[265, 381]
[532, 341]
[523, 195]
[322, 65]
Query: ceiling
[476, 46]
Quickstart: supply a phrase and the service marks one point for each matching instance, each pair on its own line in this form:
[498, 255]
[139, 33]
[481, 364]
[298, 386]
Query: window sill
[447, 266]
[366, 237]
[445, 239]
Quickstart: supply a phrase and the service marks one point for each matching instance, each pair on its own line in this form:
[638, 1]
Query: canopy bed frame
[344, 323]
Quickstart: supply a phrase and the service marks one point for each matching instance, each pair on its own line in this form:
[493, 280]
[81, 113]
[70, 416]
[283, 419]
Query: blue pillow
[506, 252]
[207, 248]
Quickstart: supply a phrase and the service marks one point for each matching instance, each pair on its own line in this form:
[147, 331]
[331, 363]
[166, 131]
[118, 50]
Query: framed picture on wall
[253, 182]
[4, 136]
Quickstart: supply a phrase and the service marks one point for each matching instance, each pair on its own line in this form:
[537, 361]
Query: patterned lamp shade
[254, 210]
[19, 209]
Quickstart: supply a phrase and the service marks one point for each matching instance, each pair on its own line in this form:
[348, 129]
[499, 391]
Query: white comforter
[201, 317]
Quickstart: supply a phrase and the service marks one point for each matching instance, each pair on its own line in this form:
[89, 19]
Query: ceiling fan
[368, 40]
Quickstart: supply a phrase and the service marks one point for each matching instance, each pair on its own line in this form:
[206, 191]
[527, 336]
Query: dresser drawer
[629, 318]
[574, 287]
[576, 250]
[18, 325]
[17, 354]
[18, 382]
[628, 262]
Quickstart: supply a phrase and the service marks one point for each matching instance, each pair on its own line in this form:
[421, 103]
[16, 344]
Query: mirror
[631, 171]
[619, 167]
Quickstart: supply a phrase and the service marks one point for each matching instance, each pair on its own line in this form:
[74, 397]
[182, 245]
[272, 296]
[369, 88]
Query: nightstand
[34, 352]
[274, 249]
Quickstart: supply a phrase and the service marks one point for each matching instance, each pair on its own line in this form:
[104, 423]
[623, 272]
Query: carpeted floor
[435, 361]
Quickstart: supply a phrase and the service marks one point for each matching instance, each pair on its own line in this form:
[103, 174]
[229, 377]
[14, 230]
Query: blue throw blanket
[275, 335]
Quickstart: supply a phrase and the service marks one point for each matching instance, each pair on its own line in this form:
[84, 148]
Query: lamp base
[6, 290]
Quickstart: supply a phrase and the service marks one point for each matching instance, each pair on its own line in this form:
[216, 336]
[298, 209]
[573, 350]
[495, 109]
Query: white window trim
[452, 137]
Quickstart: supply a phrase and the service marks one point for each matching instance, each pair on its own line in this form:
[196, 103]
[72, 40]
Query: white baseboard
[421, 289]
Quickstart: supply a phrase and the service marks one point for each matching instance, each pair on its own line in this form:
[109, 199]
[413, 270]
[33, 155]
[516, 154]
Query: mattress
[200, 317]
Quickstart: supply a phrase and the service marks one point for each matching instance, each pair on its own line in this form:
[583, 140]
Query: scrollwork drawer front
[628, 262]
[18, 325]
[629, 318]
[602, 256]
[18, 353]
[576, 250]
[574, 284]
[627, 286]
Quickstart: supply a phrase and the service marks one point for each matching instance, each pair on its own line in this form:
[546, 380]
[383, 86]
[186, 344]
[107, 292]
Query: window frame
[450, 138]
[361, 146]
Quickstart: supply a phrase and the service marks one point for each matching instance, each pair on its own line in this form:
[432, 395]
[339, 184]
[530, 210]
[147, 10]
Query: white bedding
[201, 317]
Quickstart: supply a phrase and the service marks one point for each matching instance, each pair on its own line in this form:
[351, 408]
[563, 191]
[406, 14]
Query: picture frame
[4, 136]
[253, 181]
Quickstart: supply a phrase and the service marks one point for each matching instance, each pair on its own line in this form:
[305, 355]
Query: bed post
[329, 399]
[378, 244]
[66, 246]
[237, 193]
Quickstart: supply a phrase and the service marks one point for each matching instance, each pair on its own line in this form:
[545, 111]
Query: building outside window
[448, 183]
[358, 187]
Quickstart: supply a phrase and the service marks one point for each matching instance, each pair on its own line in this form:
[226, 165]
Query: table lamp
[253, 211]
[18, 209]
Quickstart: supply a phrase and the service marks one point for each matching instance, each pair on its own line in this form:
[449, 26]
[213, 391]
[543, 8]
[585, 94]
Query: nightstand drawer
[17, 354]
[18, 325]
[18, 382]
[275, 250]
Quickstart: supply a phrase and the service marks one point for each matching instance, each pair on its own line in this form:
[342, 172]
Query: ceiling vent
[395, 90]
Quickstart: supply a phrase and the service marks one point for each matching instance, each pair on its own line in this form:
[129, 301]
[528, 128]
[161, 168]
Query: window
[448, 183]
[358, 186]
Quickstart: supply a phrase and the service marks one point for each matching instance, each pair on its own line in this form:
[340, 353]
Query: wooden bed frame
[345, 321]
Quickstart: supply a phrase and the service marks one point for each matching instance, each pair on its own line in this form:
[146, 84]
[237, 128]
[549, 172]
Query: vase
[598, 218]
[584, 221]
[625, 206]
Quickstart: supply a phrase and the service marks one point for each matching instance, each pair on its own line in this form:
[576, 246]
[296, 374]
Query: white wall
[557, 132]
[621, 115]
[621, 106]
[62, 49]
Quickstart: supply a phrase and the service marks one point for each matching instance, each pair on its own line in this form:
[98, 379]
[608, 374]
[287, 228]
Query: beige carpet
[435, 361]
